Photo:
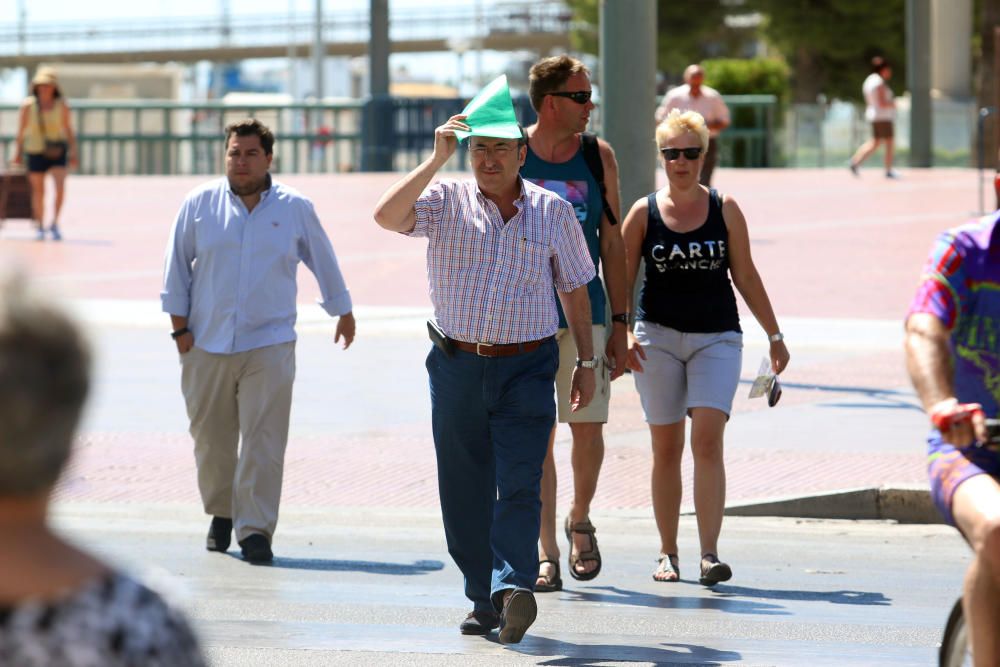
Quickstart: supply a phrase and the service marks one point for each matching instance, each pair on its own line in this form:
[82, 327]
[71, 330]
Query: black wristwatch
[620, 317]
[179, 332]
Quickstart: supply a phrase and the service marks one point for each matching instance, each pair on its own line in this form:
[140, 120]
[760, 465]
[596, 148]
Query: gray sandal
[667, 564]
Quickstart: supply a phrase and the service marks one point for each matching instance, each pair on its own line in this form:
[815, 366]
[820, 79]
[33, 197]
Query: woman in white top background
[880, 111]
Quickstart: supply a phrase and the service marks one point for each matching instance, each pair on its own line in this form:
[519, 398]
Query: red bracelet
[944, 418]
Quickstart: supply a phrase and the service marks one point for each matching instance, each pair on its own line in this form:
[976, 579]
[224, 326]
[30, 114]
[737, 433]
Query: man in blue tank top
[557, 160]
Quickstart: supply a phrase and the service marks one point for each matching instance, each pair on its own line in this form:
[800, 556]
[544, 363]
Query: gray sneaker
[54, 231]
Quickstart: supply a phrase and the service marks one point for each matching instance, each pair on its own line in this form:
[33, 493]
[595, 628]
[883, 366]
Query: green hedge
[755, 76]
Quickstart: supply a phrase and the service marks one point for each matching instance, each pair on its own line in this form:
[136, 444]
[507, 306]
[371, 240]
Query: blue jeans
[491, 421]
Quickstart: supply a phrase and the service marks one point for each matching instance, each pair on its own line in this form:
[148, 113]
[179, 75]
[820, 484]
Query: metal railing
[140, 138]
[143, 138]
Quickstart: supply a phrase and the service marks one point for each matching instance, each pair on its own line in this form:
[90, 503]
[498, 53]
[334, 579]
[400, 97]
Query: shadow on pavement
[370, 567]
[833, 597]
[584, 655]
[616, 595]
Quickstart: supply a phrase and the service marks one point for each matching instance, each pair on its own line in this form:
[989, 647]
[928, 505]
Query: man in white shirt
[230, 288]
[880, 111]
[695, 96]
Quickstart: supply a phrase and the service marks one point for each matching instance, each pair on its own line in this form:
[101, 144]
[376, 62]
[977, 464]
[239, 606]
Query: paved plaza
[362, 575]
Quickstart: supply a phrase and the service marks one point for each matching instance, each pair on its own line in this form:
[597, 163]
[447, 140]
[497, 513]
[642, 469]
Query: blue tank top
[687, 284]
[573, 181]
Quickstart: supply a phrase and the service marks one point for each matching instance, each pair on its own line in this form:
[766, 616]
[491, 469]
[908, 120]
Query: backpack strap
[592, 156]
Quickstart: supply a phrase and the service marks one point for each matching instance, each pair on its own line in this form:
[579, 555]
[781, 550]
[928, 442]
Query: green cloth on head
[491, 113]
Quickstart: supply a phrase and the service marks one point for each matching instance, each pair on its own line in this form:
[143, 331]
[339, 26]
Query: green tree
[829, 43]
[688, 31]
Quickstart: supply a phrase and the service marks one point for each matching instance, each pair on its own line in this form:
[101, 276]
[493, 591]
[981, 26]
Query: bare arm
[882, 94]
[634, 231]
[394, 210]
[748, 281]
[576, 306]
[70, 136]
[928, 360]
[613, 259]
[22, 127]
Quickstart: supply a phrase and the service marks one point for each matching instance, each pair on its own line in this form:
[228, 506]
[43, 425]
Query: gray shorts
[686, 370]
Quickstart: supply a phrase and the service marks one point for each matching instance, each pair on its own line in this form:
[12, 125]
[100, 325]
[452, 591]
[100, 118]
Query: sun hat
[491, 113]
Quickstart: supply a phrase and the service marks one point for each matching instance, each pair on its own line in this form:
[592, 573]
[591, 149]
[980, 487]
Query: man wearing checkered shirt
[496, 247]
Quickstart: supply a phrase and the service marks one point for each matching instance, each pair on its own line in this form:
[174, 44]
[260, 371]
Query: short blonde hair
[677, 123]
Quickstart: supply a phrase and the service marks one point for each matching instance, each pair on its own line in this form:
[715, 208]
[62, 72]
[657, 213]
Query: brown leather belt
[498, 349]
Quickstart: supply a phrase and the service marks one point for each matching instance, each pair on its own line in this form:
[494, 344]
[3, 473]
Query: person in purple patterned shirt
[496, 247]
[953, 355]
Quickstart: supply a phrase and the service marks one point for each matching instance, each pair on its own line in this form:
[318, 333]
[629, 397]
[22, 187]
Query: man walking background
[558, 160]
[694, 95]
[230, 288]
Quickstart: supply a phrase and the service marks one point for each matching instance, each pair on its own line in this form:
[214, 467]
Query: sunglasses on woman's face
[672, 154]
[578, 96]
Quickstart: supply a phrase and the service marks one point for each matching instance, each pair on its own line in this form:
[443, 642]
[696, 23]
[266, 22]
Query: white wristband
[776, 338]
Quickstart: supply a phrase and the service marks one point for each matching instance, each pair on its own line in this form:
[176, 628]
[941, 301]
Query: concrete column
[318, 52]
[951, 58]
[628, 92]
[377, 132]
[918, 80]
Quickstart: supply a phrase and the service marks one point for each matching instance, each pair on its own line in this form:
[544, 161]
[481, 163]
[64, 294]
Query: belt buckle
[478, 345]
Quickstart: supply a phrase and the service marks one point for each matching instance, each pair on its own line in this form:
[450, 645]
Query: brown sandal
[553, 582]
[669, 565]
[592, 554]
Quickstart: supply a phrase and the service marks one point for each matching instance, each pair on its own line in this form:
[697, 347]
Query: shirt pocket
[532, 263]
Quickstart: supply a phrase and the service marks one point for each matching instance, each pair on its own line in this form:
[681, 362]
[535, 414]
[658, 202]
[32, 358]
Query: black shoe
[256, 549]
[479, 623]
[519, 612]
[219, 534]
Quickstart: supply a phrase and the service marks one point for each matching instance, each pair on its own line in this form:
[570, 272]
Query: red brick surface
[827, 245]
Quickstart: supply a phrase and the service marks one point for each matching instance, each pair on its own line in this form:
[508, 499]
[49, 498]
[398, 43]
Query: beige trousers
[232, 397]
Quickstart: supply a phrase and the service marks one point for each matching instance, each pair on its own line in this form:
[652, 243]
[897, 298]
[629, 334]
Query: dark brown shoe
[519, 612]
[479, 623]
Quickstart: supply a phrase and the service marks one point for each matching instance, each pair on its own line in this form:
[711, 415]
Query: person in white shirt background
[694, 95]
[880, 111]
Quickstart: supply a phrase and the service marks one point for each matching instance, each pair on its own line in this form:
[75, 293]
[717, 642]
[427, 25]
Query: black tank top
[687, 283]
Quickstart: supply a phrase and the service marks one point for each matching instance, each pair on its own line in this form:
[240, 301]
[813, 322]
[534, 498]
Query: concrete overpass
[535, 26]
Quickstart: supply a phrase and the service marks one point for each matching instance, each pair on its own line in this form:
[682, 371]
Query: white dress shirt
[232, 272]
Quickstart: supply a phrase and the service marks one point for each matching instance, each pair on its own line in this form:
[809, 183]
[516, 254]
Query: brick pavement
[828, 246]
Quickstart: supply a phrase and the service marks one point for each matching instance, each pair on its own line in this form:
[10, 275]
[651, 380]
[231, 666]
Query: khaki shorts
[597, 411]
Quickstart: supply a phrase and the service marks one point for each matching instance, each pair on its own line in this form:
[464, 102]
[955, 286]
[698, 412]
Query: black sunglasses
[578, 96]
[672, 154]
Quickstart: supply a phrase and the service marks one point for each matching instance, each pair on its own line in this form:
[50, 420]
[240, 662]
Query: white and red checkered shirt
[490, 281]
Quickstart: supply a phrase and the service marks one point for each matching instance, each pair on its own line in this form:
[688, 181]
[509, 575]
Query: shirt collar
[268, 187]
[518, 201]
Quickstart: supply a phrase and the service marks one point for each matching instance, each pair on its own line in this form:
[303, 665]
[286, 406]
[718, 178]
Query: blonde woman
[686, 348]
[44, 132]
